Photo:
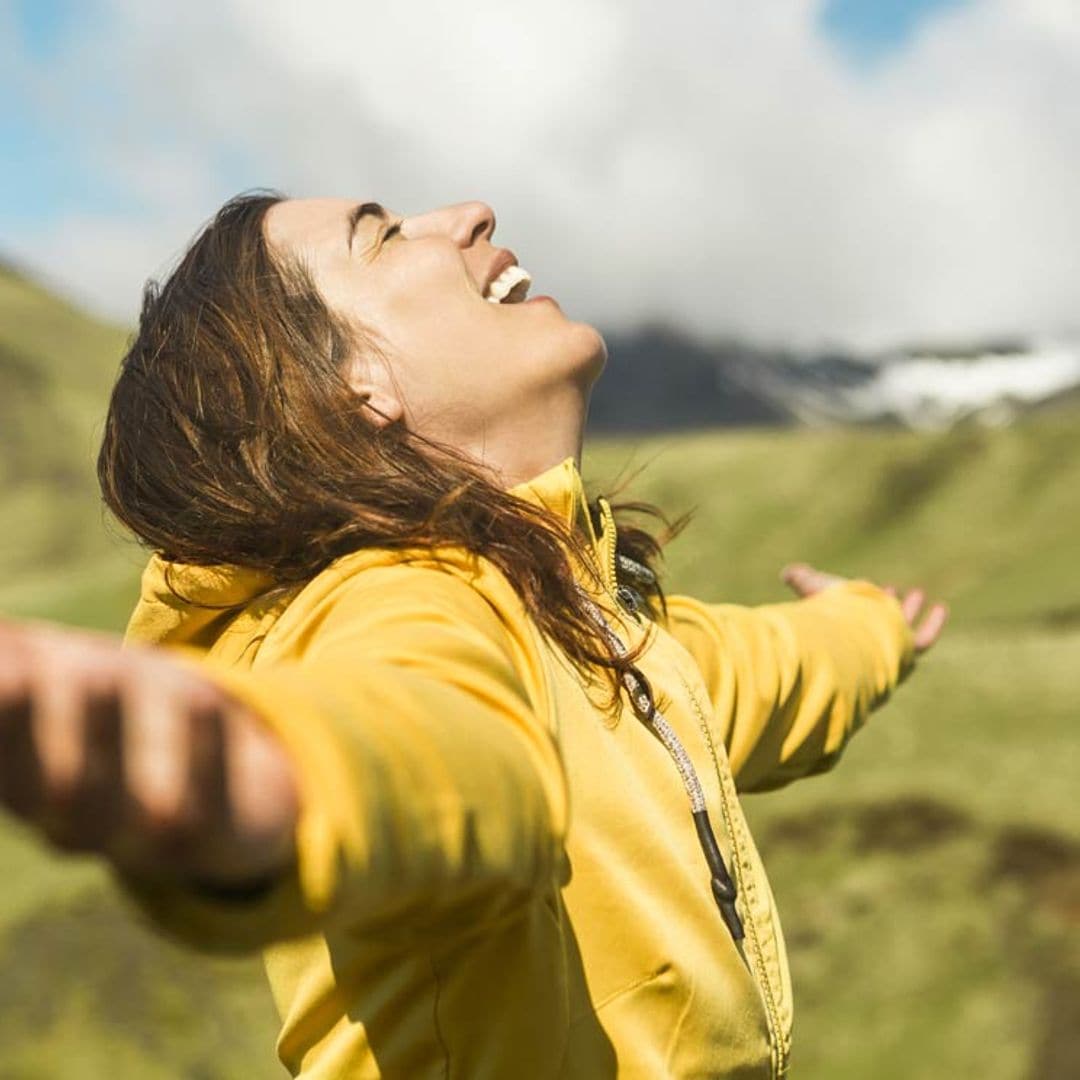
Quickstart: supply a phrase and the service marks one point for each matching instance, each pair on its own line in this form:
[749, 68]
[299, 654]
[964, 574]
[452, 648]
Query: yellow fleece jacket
[493, 879]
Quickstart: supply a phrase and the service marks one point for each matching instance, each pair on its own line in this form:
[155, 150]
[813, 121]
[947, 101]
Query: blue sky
[42, 22]
[50, 176]
[47, 142]
[830, 171]
[869, 30]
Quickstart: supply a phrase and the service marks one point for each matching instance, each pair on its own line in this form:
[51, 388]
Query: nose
[465, 223]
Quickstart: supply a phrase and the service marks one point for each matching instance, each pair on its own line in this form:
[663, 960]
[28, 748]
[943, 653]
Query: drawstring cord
[644, 705]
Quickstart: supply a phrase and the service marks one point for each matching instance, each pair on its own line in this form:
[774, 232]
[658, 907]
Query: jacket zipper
[608, 529]
[724, 889]
[740, 870]
[743, 872]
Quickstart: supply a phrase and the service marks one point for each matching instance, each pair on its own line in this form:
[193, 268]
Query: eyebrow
[361, 211]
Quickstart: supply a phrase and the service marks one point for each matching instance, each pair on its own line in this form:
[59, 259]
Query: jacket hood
[183, 604]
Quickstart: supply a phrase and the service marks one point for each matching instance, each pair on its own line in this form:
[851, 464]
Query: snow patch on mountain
[920, 389]
[938, 391]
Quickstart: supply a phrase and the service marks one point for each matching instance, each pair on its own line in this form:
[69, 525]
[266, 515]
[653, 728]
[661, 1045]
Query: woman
[426, 729]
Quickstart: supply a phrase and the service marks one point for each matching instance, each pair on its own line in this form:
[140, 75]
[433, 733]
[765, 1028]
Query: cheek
[441, 352]
[428, 300]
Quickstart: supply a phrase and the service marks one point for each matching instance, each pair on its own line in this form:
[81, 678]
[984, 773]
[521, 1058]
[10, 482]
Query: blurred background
[834, 246]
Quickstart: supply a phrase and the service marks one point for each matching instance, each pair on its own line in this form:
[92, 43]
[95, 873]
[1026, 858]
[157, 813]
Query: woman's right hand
[132, 755]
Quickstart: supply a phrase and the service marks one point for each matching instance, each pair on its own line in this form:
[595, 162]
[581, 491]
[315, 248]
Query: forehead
[299, 224]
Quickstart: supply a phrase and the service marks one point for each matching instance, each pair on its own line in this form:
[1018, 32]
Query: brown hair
[232, 437]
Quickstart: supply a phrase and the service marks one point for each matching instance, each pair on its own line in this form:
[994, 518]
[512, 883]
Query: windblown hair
[232, 437]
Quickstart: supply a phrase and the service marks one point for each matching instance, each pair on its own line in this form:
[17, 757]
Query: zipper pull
[724, 889]
[630, 600]
[636, 571]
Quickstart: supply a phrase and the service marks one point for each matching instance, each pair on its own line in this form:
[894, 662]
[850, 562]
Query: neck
[547, 430]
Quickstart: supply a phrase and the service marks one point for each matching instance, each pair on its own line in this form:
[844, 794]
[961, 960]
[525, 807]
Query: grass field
[930, 886]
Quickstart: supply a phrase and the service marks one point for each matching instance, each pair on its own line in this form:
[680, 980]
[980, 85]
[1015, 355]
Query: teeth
[510, 287]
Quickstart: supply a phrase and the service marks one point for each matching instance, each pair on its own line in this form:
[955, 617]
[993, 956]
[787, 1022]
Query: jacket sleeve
[430, 790]
[790, 683]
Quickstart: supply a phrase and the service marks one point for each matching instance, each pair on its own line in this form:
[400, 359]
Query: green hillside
[56, 367]
[989, 518]
[930, 886]
[88, 994]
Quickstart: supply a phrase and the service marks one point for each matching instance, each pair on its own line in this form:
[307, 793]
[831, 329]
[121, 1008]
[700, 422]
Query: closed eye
[394, 230]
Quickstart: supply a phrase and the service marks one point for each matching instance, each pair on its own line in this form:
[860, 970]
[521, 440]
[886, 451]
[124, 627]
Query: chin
[565, 352]
[589, 351]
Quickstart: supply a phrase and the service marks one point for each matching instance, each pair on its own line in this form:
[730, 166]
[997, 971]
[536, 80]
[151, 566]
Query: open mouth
[510, 287]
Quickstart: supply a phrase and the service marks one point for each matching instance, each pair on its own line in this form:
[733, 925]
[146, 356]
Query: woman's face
[456, 363]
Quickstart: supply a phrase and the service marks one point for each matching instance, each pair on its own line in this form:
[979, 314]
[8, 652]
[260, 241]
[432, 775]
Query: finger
[261, 780]
[20, 770]
[207, 790]
[912, 604]
[96, 801]
[930, 629]
[58, 736]
[890, 590]
[155, 770]
[805, 580]
[794, 576]
[256, 837]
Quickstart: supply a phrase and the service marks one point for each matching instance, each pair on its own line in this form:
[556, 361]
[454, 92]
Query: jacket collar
[190, 604]
[560, 490]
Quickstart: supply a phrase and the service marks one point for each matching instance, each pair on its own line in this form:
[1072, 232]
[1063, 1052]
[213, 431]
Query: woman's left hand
[806, 581]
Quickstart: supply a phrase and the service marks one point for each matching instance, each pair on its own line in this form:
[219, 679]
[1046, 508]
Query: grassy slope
[990, 519]
[927, 886]
[930, 886]
[56, 367]
[86, 992]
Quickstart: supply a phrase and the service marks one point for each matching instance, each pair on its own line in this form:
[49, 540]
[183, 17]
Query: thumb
[806, 580]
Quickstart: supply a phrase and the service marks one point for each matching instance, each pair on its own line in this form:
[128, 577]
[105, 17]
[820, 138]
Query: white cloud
[716, 164]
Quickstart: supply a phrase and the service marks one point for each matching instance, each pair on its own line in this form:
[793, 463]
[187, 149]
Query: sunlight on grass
[930, 885]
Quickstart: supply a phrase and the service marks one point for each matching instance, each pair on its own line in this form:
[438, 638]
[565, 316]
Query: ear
[371, 383]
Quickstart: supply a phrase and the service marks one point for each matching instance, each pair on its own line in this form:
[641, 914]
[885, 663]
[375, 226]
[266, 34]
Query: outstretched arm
[385, 768]
[128, 754]
[789, 683]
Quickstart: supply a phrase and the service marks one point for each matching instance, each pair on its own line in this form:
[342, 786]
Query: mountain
[926, 389]
[659, 379]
